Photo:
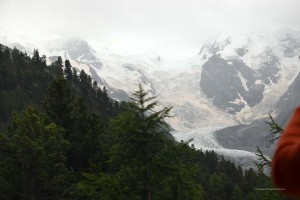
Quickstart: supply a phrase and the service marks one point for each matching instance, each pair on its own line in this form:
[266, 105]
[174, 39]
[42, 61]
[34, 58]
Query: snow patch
[244, 81]
[258, 82]
[204, 139]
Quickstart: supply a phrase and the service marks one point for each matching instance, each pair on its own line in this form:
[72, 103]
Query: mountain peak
[72, 48]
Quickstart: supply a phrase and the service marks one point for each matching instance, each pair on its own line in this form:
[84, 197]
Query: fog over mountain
[223, 65]
[220, 97]
[174, 29]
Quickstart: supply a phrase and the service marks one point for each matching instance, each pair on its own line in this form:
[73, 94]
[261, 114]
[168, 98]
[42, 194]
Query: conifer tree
[32, 164]
[7, 54]
[36, 57]
[236, 194]
[57, 101]
[1, 54]
[75, 75]
[56, 67]
[68, 70]
[139, 135]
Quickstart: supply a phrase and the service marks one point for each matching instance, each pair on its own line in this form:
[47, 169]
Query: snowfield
[204, 139]
[177, 83]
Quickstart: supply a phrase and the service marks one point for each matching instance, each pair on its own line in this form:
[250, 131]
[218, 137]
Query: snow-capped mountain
[75, 50]
[234, 82]
[240, 72]
[248, 136]
[236, 79]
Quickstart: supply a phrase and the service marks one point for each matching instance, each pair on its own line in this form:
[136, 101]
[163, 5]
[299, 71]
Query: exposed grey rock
[232, 85]
[291, 45]
[52, 58]
[76, 49]
[145, 80]
[118, 94]
[269, 68]
[221, 81]
[129, 67]
[241, 51]
[288, 102]
[95, 77]
[247, 137]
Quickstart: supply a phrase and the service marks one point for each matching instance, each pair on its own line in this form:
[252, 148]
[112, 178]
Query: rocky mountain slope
[235, 82]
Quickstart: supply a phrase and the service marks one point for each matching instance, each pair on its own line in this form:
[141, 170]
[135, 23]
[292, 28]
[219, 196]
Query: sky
[174, 29]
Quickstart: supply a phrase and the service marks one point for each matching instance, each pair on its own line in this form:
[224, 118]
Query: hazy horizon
[173, 29]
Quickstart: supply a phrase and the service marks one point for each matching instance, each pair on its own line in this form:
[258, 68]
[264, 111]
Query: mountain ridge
[227, 86]
[258, 67]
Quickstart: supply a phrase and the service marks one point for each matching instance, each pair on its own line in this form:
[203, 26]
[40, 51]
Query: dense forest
[62, 137]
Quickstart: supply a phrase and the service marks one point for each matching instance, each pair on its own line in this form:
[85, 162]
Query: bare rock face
[232, 85]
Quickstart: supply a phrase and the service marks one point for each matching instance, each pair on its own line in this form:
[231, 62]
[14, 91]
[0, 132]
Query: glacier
[263, 64]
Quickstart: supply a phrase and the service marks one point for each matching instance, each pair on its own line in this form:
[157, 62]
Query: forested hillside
[62, 137]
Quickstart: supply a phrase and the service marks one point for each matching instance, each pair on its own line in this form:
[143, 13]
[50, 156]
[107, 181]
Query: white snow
[201, 138]
[204, 139]
[81, 66]
[243, 80]
[177, 84]
[258, 82]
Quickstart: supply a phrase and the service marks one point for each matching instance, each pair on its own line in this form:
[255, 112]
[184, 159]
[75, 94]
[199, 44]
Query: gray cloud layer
[173, 28]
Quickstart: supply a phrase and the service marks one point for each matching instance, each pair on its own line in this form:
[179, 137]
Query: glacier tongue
[204, 138]
[201, 138]
[177, 83]
[263, 63]
[237, 79]
[179, 87]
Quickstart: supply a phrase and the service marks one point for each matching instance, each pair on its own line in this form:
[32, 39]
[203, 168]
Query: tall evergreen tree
[68, 70]
[57, 101]
[1, 54]
[36, 57]
[75, 75]
[56, 67]
[7, 55]
[139, 135]
[32, 164]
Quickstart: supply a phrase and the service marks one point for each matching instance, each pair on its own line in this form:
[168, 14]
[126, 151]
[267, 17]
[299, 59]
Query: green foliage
[138, 137]
[77, 143]
[56, 67]
[176, 173]
[236, 194]
[263, 161]
[276, 131]
[57, 101]
[68, 70]
[33, 158]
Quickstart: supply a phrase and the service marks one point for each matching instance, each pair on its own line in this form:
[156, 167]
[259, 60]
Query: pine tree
[75, 75]
[36, 57]
[1, 54]
[139, 135]
[57, 102]
[84, 132]
[44, 60]
[68, 70]
[56, 67]
[7, 55]
[32, 164]
[236, 194]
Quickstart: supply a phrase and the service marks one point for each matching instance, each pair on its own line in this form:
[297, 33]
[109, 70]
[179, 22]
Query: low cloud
[172, 28]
